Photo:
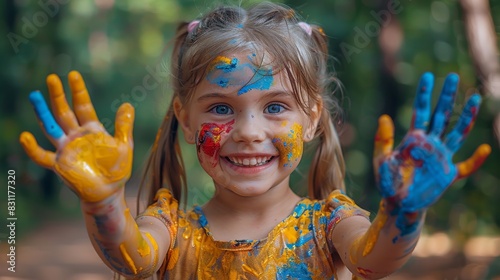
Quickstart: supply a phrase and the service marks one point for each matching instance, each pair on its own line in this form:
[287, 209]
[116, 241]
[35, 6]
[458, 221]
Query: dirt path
[48, 254]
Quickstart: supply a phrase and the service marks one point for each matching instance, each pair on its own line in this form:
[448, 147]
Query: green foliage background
[116, 44]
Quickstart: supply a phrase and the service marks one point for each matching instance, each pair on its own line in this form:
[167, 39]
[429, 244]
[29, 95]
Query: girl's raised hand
[414, 175]
[91, 162]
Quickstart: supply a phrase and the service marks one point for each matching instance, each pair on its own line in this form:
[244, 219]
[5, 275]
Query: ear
[314, 120]
[183, 117]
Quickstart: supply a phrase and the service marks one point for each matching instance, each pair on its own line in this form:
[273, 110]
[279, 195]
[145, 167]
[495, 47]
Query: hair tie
[307, 28]
[192, 25]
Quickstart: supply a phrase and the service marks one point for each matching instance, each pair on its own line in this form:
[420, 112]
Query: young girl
[250, 88]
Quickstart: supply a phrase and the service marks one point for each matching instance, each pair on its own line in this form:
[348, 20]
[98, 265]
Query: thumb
[124, 123]
[384, 139]
[35, 152]
[469, 166]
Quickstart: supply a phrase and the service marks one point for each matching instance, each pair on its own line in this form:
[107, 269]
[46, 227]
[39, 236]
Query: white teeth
[254, 161]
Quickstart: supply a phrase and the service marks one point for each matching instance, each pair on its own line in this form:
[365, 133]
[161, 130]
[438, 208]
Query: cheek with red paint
[209, 140]
[290, 145]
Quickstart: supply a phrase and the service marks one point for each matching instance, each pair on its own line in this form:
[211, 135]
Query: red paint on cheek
[210, 136]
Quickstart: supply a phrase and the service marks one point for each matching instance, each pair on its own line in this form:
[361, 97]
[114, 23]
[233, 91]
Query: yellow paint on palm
[290, 145]
[173, 257]
[407, 171]
[366, 243]
[93, 164]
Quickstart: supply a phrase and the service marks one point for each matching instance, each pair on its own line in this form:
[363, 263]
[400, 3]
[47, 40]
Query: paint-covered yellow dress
[297, 248]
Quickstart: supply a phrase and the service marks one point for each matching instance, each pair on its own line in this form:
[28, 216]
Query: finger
[386, 181]
[445, 104]
[124, 123]
[65, 117]
[35, 152]
[469, 166]
[84, 109]
[422, 105]
[384, 139]
[49, 124]
[464, 125]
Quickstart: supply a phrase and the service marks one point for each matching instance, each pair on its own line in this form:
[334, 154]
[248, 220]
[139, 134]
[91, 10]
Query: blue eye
[274, 109]
[221, 110]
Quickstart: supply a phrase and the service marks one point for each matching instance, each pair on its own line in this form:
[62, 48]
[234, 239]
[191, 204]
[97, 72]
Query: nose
[249, 129]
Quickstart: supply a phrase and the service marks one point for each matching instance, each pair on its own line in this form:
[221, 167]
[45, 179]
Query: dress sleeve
[342, 207]
[165, 207]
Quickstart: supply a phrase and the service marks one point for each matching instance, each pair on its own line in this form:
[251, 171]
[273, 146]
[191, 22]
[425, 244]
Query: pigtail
[327, 171]
[165, 167]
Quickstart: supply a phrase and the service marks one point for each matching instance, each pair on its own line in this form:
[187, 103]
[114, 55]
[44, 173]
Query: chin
[249, 191]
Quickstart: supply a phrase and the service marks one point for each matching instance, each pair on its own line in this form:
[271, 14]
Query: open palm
[415, 174]
[93, 163]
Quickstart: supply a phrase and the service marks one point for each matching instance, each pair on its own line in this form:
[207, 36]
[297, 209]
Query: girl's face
[247, 126]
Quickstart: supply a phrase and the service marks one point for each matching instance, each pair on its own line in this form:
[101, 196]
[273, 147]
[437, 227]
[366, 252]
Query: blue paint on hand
[45, 116]
[418, 172]
[422, 111]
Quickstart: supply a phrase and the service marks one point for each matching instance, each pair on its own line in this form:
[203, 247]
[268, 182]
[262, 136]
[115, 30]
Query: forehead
[243, 71]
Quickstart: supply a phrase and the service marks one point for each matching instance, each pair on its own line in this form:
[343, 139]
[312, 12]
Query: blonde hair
[267, 28]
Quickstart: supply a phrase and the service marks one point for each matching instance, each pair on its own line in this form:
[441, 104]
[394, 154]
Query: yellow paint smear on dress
[291, 234]
[248, 269]
[296, 236]
[128, 260]
[368, 240]
[173, 258]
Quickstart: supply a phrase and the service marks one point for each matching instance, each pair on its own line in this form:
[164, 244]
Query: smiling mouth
[250, 161]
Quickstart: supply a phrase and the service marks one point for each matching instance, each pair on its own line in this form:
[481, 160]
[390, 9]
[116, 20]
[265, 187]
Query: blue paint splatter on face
[228, 67]
[261, 79]
[45, 116]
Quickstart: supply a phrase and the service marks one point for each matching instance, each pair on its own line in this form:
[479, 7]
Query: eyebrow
[273, 93]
